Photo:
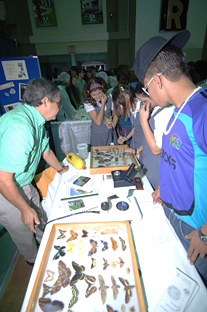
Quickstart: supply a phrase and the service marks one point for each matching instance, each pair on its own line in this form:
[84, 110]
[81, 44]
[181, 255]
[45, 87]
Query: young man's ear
[159, 81]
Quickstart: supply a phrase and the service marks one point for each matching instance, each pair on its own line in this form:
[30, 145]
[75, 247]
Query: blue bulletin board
[15, 73]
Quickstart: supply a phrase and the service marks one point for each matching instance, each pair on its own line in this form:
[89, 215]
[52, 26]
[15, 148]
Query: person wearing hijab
[67, 111]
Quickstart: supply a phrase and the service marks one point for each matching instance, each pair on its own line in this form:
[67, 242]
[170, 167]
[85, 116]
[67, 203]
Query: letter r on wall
[174, 12]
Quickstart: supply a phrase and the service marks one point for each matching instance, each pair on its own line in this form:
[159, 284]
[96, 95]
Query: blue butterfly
[105, 245]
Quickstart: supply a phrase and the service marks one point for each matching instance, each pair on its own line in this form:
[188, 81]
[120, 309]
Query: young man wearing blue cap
[162, 67]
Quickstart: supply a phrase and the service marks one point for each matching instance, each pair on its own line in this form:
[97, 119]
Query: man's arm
[10, 192]
[156, 197]
[197, 248]
[148, 134]
[52, 160]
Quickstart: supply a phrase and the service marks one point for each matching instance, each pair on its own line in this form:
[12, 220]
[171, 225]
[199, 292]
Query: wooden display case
[104, 159]
[88, 267]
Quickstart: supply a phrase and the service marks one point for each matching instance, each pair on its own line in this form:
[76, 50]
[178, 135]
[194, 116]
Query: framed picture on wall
[10, 107]
[44, 13]
[22, 88]
[173, 16]
[91, 12]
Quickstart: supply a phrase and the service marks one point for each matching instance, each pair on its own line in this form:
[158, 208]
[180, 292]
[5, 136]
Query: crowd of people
[158, 108]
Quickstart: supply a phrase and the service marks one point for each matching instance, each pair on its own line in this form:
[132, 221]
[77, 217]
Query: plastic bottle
[75, 161]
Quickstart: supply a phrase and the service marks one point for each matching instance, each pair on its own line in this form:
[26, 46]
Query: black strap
[204, 94]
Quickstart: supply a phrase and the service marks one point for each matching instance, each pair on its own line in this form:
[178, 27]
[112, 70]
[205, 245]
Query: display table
[68, 134]
[158, 249]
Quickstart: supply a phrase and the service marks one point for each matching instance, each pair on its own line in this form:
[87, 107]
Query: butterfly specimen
[102, 288]
[122, 308]
[63, 278]
[113, 264]
[127, 270]
[105, 245]
[105, 265]
[82, 248]
[73, 236]
[62, 235]
[74, 298]
[121, 262]
[46, 290]
[93, 264]
[94, 247]
[109, 309]
[114, 287]
[114, 244]
[127, 289]
[50, 276]
[47, 305]
[60, 252]
[85, 233]
[78, 273]
[123, 244]
[71, 246]
[90, 280]
[109, 231]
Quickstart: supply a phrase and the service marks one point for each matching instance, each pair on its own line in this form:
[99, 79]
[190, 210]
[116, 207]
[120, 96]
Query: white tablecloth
[158, 248]
[68, 134]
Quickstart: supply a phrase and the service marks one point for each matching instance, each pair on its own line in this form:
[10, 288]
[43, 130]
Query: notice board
[15, 73]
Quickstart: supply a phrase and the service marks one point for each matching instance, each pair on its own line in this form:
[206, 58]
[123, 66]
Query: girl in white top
[99, 107]
[153, 120]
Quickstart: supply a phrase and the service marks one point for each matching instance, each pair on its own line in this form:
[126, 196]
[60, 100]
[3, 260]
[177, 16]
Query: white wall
[54, 40]
[93, 38]
[148, 20]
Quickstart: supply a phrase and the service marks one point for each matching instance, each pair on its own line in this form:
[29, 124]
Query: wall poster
[91, 12]
[44, 13]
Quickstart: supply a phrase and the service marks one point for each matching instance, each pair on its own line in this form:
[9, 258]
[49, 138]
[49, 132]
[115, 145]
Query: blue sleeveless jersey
[183, 167]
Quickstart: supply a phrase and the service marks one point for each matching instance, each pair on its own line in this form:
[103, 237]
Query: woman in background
[72, 92]
[99, 107]
[67, 111]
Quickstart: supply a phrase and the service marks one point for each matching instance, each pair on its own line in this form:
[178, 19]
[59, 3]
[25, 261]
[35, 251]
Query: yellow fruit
[75, 161]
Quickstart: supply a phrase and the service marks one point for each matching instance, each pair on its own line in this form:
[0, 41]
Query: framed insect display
[104, 159]
[87, 263]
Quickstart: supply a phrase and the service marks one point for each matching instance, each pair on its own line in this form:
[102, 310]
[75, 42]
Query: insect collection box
[88, 267]
[104, 159]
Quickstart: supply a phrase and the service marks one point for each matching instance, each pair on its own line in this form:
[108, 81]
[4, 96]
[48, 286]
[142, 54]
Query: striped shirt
[23, 139]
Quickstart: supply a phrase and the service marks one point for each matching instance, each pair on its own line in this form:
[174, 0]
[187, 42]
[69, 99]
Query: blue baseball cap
[152, 47]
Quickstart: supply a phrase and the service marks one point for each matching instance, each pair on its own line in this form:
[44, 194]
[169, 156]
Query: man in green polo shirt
[23, 140]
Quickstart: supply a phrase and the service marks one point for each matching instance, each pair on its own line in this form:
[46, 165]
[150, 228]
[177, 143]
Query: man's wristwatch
[203, 238]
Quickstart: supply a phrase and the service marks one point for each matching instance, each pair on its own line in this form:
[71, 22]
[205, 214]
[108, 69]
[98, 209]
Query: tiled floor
[13, 295]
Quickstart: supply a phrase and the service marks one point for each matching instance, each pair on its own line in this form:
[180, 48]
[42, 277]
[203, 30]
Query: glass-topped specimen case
[104, 159]
[88, 267]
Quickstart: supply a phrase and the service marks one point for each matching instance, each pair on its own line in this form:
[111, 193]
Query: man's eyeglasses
[147, 85]
[58, 105]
